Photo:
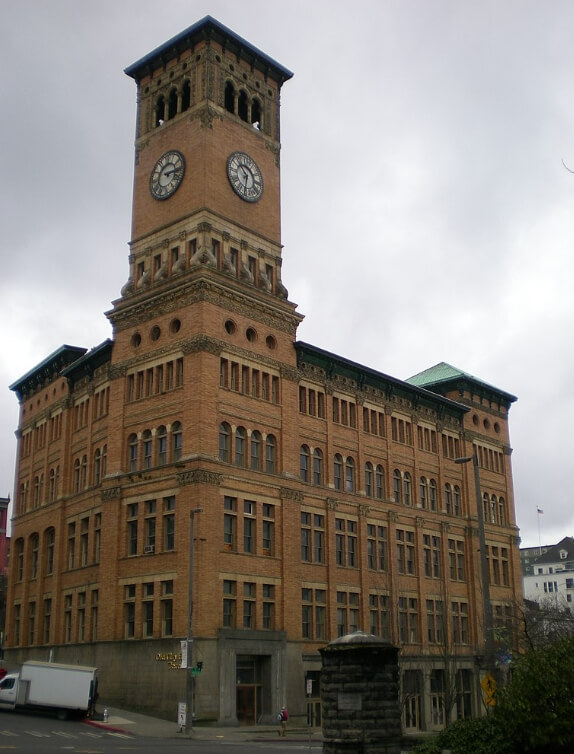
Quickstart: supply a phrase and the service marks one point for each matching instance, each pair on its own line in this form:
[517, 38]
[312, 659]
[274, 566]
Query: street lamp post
[189, 683]
[484, 575]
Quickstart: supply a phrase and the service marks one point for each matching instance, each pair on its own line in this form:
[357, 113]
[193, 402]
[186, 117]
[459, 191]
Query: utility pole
[189, 678]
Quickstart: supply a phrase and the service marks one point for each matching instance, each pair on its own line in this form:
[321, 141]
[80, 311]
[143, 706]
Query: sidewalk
[135, 724]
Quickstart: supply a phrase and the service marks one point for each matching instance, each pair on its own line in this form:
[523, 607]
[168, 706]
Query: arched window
[338, 472]
[172, 104]
[104, 461]
[407, 488]
[256, 113]
[34, 552]
[49, 543]
[19, 553]
[448, 498]
[270, 452]
[349, 475]
[456, 500]
[147, 444]
[397, 486]
[22, 497]
[501, 512]
[224, 442]
[432, 495]
[255, 450]
[304, 455]
[83, 472]
[379, 482]
[317, 466]
[485, 506]
[493, 509]
[133, 453]
[97, 466]
[185, 96]
[76, 475]
[161, 445]
[242, 105]
[423, 492]
[369, 479]
[159, 113]
[53, 484]
[176, 441]
[240, 440]
[229, 97]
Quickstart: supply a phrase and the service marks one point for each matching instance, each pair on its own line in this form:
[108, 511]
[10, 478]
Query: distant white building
[548, 576]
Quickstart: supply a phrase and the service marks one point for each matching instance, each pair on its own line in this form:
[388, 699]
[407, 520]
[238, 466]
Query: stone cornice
[237, 298]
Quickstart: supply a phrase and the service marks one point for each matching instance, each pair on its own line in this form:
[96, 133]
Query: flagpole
[539, 513]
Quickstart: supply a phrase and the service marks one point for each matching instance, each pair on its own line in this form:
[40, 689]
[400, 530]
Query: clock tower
[206, 183]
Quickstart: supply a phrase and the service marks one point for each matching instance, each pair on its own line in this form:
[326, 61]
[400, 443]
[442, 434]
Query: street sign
[181, 715]
[488, 686]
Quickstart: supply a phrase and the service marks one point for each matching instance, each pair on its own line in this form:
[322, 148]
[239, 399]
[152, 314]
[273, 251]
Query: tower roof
[206, 29]
[444, 377]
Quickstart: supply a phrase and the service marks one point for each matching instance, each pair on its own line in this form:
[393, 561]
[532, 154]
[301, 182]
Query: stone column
[360, 696]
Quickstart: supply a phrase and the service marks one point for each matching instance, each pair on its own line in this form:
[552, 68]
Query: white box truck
[66, 689]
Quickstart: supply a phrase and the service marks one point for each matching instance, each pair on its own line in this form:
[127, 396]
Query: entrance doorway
[248, 689]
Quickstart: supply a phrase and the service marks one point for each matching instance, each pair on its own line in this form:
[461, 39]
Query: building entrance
[248, 689]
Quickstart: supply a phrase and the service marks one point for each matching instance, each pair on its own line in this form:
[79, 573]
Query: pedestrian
[282, 718]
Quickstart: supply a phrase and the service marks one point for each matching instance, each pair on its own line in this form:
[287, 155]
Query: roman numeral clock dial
[166, 175]
[244, 176]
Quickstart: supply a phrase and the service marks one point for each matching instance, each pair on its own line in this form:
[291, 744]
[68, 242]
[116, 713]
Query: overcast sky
[427, 214]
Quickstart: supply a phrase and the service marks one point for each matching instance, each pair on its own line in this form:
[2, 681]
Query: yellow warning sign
[488, 686]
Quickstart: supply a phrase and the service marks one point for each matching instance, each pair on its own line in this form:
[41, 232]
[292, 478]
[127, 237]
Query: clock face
[166, 175]
[244, 176]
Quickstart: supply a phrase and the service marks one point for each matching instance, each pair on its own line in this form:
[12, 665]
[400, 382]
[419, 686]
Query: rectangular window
[268, 607]
[147, 610]
[312, 537]
[229, 522]
[267, 528]
[377, 547]
[346, 542]
[68, 618]
[94, 609]
[459, 612]
[431, 556]
[408, 620]
[379, 615]
[71, 544]
[313, 608]
[84, 530]
[456, 560]
[435, 621]
[129, 611]
[47, 620]
[81, 618]
[249, 526]
[401, 431]
[229, 599]
[405, 551]
[248, 605]
[347, 612]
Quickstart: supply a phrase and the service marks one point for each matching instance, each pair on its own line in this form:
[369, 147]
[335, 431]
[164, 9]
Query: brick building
[316, 495]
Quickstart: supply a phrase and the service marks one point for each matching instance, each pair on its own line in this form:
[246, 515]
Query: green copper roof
[443, 374]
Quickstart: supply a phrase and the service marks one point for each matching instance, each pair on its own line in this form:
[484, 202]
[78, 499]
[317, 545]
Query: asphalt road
[34, 734]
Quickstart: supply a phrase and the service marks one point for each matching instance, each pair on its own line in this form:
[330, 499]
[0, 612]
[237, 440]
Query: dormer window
[563, 554]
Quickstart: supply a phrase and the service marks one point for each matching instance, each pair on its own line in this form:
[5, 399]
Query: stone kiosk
[360, 696]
